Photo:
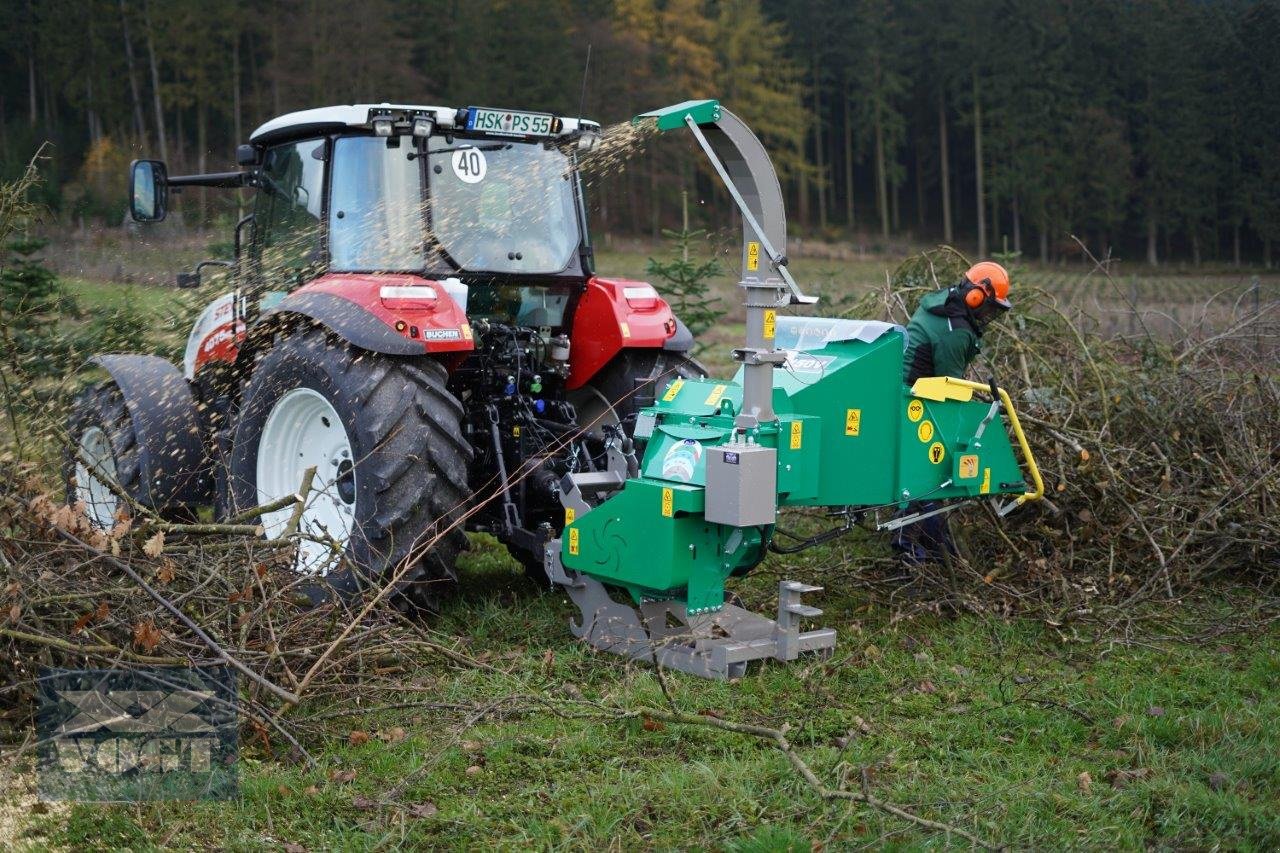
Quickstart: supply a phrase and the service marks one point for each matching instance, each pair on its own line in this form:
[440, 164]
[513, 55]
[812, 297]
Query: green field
[1146, 728]
[1017, 731]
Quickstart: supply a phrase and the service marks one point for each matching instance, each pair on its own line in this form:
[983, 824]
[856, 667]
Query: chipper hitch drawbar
[835, 428]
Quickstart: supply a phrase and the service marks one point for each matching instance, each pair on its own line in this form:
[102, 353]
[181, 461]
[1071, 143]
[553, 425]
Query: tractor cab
[489, 198]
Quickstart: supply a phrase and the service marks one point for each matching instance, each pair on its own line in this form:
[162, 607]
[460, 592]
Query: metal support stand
[711, 645]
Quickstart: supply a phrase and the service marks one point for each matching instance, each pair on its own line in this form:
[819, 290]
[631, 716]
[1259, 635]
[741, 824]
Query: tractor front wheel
[102, 455]
[385, 440]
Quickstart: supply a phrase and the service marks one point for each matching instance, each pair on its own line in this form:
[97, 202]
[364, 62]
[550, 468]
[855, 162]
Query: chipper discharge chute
[817, 415]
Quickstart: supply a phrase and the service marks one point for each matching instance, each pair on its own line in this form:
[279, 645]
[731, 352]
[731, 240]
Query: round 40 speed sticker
[470, 165]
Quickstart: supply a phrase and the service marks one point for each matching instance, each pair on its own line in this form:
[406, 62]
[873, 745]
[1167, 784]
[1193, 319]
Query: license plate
[507, 122]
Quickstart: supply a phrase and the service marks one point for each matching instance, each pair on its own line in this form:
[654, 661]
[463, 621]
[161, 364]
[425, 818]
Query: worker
[943, 337]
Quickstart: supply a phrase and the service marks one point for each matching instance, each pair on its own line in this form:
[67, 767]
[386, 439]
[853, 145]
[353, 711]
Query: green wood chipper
[817, 416]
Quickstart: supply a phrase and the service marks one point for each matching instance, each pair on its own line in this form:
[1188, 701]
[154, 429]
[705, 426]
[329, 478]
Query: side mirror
[188, 280]
[246, 155]
[148, 191]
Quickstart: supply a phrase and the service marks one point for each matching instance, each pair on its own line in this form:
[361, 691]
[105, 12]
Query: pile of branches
[153, 592]
[1161, 458]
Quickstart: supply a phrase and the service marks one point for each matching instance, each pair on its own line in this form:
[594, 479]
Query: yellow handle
[949, 388]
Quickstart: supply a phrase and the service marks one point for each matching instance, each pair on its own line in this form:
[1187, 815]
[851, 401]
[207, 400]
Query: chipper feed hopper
[816, 416]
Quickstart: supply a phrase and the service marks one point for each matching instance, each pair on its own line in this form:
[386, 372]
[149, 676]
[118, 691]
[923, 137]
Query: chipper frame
[835, 427]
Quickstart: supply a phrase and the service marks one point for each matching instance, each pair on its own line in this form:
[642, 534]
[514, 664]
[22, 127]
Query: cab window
[287, 212]
[375, 214]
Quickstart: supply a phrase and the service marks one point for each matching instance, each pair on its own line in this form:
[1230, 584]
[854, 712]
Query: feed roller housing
[848, 433]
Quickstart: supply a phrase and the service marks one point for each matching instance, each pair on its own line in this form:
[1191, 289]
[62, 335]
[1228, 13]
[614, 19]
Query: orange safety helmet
[989, 279]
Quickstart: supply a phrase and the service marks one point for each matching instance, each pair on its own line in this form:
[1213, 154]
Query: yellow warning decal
[668, 503]
[925, 431]
[713, 399]
[937, 452]
[986, 482]
[770, 323]
[969, 467]
[673, 391]
[466, 331]
[915, 410]
[852, 421]
[569, 515]
[626, 330]
[753, 256]
[515, 431]
[797, 434]
[573, 541]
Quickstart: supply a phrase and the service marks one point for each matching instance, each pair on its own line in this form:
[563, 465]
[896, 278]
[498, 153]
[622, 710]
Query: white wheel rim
[302, 431]
[96, 462]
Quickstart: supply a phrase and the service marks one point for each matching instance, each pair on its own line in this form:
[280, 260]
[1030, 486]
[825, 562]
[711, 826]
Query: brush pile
[150, 592]
[1161, 460]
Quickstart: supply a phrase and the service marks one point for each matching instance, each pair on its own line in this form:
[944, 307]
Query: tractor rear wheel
[629, 383]
[386, 441]
[615, 395]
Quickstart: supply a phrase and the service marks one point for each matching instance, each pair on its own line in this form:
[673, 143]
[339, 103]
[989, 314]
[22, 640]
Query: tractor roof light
[423, 127]
[382, 126]
[588, 140]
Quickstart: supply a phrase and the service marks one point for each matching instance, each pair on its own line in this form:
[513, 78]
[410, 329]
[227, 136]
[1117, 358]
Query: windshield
[499, 206]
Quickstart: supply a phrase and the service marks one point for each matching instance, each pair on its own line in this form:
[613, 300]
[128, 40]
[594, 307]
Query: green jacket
[941, 339]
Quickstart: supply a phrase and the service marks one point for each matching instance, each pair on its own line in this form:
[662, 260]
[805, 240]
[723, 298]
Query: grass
[983, 723]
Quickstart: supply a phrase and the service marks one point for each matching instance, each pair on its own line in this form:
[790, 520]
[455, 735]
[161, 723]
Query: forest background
[1149, 128]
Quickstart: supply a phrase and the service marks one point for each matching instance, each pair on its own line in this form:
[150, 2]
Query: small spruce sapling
[686, 283]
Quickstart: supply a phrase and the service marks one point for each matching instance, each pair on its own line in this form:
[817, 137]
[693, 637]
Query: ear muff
[977, 294]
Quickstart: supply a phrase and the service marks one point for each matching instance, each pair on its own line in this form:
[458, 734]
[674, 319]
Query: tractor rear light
[641, 296]
[382, 126]
[421, 297]
[422, 127]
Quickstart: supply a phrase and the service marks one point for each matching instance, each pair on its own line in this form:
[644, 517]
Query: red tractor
[415, 315]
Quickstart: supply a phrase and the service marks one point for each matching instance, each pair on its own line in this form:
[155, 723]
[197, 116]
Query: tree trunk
[139, 128]
[1044, 241]
[896, 205]
[819, 158]
[155, 81]
[1153, 230]
[202, 144]
[235, 88]
[882, 184]
[1235, 244]
[275, 64]
[654, 212]
[1266, 252]
[977, 168]
[848, 161]
[802, 199]
[1195, 246]
[995, 217]
[919, 188]
[944, 161]
[1017, 226]
[31, 62]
